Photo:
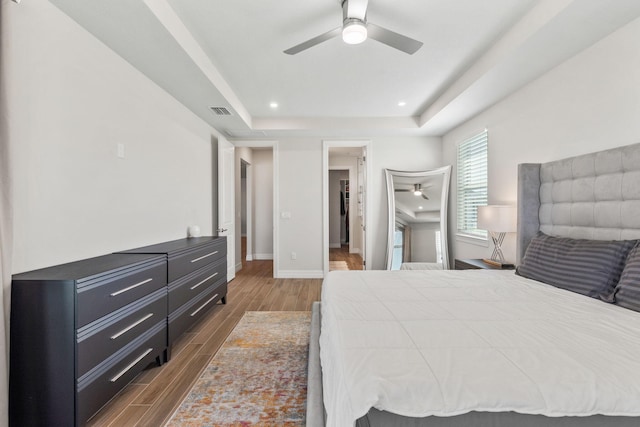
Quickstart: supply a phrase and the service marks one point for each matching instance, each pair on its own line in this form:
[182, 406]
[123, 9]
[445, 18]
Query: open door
[362, 198]
[226, 202]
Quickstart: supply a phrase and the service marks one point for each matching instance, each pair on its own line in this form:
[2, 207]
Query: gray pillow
[627, 292]
[588, 267]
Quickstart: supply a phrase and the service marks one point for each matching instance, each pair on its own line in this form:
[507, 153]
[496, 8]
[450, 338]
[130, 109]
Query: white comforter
[444, 343]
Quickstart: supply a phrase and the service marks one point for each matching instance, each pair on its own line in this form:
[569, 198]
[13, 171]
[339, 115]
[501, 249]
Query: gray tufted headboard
[593, 196]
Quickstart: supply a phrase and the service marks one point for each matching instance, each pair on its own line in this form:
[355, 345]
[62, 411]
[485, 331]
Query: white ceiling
[230, 54]
[415, 209]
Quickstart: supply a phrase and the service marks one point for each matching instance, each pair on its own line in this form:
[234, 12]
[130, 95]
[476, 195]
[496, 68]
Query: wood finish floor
[153, 396]
[354, 261]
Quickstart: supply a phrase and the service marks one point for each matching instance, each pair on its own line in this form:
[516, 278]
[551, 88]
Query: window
[472, 184]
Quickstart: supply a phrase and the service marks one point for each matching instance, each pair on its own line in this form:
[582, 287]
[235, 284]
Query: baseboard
[249, 257]
[335, 245]
[238, 266]
[354, 251]
[262, 256]
[300, 274]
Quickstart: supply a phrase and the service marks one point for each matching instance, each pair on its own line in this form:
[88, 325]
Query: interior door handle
[221, 230]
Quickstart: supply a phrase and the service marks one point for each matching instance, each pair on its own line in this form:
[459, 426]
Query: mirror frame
[445, 171]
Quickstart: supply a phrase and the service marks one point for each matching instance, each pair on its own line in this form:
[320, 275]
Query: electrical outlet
[120, 150]
[294, 255]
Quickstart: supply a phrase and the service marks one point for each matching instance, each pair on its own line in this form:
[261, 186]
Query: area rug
[338, 265]
[257, 378]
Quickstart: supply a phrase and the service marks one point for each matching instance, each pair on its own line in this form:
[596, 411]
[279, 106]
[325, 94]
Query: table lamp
[497, 220]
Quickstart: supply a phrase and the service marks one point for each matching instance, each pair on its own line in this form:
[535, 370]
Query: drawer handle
[131, 326]
[130, 365]
[204, 256]
[204, 305]
[121, 291]
[198, 284]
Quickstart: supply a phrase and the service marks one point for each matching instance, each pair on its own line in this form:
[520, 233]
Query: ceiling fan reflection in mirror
[417, 190]
[355, 29]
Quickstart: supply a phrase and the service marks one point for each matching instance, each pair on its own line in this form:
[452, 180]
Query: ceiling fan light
[354, 31]
[417, 193]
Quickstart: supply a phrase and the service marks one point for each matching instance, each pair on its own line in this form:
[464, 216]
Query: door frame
[276, 195]
[226, 195]
[326, 144]
[247, 194]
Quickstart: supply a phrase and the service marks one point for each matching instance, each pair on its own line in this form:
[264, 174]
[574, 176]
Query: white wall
[70, 101]
[589, 103]
[423, 242]
[262, 167]
[301, 195]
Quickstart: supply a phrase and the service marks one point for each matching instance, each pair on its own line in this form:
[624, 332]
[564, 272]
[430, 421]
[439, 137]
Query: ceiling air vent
[220, 111]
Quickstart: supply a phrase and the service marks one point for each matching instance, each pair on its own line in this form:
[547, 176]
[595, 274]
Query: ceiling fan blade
[400, 190]
[314, 41]
[393, 39]
[424, 196]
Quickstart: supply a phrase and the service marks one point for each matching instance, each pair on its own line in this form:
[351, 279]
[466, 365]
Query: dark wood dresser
[197, 274]
[82, 331]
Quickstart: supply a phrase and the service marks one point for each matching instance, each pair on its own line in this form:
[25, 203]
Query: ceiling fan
[417, 190]
[355, 29]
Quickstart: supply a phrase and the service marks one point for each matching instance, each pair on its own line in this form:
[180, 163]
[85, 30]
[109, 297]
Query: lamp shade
[354, 31]
[497, 218]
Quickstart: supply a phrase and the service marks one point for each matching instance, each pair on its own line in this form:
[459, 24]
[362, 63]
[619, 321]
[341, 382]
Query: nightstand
[477, 264]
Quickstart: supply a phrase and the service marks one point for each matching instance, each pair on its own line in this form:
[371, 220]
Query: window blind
[472, 183]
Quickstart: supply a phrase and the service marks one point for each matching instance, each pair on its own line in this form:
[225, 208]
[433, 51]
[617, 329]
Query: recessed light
[273, 105]
[401, 104]
[419, 207]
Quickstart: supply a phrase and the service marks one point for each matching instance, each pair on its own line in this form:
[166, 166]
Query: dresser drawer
[100, 339]
[106, 294]
[99, 385]
[187, 262]
[185, 289]
[182, 319]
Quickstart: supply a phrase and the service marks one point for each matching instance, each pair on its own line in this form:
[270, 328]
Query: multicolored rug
[257, 378]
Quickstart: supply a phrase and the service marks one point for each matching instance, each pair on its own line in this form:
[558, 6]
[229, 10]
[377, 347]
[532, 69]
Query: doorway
[255, 207]
[226, 201]
[344, 253]
[246, 208]
[344, 205]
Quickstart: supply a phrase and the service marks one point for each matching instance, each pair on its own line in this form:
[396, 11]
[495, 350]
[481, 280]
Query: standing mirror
[417, 229]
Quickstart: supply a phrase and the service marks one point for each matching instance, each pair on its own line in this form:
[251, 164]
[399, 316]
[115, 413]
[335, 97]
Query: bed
[494, 348]
[421, 266]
